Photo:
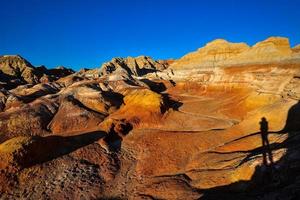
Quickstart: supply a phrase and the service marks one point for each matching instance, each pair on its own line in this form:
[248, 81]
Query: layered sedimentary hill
[223, 53]
[218, 123]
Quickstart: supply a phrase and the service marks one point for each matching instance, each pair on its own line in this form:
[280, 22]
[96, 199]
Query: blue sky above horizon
[86, 33]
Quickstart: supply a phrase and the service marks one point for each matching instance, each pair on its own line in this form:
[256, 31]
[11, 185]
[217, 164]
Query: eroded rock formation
[223, 53]
[15, 71]
[218, 123]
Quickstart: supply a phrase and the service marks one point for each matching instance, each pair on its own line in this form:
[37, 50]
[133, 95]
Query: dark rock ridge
[15, 70]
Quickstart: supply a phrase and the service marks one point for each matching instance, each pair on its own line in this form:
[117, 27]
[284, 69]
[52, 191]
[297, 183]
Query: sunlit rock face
[218, 123]
[223, 53]
[127, 67]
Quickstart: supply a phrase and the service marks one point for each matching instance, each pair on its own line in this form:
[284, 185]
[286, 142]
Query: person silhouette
[267, 154]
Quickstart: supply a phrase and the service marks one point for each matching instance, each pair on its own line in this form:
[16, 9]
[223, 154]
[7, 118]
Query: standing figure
[267, 154]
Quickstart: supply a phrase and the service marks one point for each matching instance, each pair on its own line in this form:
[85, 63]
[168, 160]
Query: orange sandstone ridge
[222, 53]
[218, 123]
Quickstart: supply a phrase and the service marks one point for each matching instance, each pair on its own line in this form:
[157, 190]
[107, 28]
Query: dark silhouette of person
[267, 154]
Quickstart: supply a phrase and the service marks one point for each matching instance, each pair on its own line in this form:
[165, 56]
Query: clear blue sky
[86, 33]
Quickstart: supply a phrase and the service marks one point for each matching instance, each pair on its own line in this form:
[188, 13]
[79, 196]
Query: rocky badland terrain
[222, 122]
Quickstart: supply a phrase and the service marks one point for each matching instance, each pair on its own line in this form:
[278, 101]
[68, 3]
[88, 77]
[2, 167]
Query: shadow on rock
[271, 180]
[29, 151]
[116, 134]
[154, 86]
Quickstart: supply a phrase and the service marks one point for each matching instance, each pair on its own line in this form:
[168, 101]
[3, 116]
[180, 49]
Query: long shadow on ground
[277, 180]
[43, 149]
